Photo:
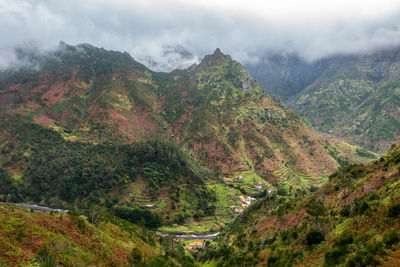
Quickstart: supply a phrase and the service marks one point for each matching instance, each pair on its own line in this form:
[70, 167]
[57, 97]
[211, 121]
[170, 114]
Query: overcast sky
[244, 29]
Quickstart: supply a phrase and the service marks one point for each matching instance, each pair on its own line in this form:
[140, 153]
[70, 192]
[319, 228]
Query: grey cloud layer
[143, 29]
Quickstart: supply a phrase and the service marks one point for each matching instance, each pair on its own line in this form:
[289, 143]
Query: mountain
[350, 221]
[95, 131]
[83, 127]
[215, 109]
[353, 97]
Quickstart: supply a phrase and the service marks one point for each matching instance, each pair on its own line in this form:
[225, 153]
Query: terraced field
[249, 183]
[287, 178]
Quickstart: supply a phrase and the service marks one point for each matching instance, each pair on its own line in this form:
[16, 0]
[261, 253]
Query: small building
[238, 211]
[194, 245]
[258, 186]
[148, 206]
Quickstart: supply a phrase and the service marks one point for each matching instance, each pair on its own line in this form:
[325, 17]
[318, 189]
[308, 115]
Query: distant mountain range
[354, 97]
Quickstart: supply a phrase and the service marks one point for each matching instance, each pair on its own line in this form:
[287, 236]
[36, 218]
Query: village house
[258, 186]
[194, 245]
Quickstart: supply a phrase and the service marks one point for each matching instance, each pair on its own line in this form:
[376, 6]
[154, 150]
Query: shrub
[373, 196]
[363, 207]
[314, 237]
[45, 257]
[282, 192]
[345, 212]
[335, 255]
[391, 238]
[313, 188]
[339, 251]
[345, 239]
[273, 260]
[367, 256]
[136, 256]
[394, 210]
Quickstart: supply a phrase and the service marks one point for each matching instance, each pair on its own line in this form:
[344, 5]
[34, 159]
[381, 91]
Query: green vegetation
[94, 131]
[342, 223]
[314, 237]
[48, 239]
[356, 105]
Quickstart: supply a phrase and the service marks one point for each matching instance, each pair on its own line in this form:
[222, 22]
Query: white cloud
[245, 29]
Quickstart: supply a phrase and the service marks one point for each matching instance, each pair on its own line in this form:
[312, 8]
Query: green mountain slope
[95, 131]
[50, 239]
[358, 98]
[353, 97]
[350, 221]
[215, 109]
[39, 166]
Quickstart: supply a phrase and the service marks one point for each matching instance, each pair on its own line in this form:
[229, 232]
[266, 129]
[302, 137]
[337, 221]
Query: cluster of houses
[242, 204]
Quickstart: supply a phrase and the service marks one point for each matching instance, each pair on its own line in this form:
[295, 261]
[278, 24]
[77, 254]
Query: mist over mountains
[247, 32]
[280, 148]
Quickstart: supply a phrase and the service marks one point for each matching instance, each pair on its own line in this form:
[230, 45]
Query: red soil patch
[116, 115]
[33, 105]
[44, 120]
[184, 94]
[55, 94]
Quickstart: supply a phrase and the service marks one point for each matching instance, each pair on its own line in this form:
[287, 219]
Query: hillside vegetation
[215, 110]
[95, 132]
[30, 238]
[351, 221]
[353, 97]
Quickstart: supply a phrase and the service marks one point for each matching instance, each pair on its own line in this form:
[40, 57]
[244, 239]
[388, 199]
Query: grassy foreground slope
[46, 239]
[353, 220]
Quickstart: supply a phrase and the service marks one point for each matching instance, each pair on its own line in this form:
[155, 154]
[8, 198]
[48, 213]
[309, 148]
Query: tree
[314, 237]
[316, 209]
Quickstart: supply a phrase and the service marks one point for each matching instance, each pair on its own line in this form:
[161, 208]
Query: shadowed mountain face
[286, 75]
[354, 97]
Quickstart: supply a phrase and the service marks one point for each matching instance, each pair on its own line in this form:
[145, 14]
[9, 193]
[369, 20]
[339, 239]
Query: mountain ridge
[353, 97]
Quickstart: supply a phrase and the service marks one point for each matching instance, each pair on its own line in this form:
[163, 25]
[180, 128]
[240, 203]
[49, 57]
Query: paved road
[40, 208]
[192, 237]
